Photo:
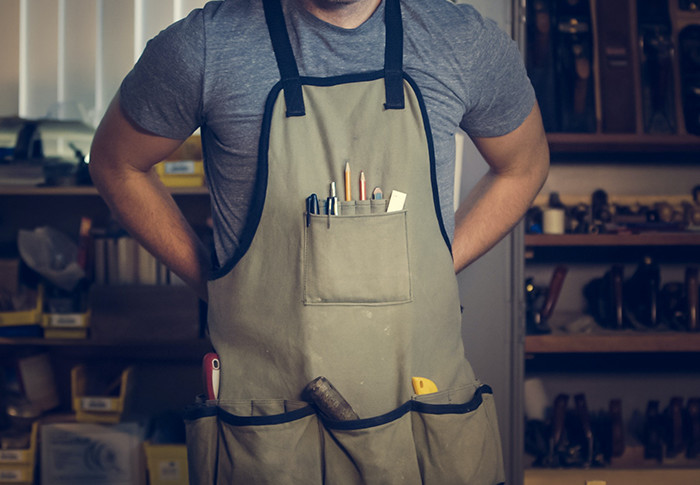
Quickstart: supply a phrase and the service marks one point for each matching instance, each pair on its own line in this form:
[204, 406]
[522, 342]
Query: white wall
[66, 58]
[489, 291]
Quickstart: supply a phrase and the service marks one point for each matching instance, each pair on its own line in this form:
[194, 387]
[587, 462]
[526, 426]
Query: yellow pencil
[348, 191]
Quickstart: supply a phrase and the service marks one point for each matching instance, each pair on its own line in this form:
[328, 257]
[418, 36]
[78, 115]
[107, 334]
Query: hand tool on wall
[541, 302]
[555, 285]
[574, 66]
[692, 299]
[558, 441]
[641, 295]
[689, 47]
[672, 305]
[617, 76]
[617, 428]
[328, 400]
[586, 430]
[675, 439]
[657, 53]
[601, 214]
[653, 432]
[605, 299]
[540, 58]
[693, 413]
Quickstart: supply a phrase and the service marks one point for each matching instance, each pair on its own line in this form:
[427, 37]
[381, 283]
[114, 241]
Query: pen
[363, 186]
[348, 186]
[332, 208]
[311, 207]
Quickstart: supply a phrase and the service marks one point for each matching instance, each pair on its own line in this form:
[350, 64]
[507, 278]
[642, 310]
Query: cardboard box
[92, 454]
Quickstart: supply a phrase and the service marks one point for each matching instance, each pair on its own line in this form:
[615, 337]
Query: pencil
[348, 189]
[363, 186]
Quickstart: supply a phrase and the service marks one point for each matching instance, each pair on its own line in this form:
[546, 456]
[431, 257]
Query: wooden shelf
[136, 318]
[622, 143]
[82, 190]
[613, 341]
[641, 239]
[612, 476]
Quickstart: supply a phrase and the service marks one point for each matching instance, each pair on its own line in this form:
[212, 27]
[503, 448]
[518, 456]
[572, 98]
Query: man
[364, 295]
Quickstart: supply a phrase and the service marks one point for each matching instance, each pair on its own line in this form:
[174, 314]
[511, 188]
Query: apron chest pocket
[357, 259]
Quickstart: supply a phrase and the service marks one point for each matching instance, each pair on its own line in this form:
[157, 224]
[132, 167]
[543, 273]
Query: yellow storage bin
[99, 408]
[184, 167]
[167, 464]
[181, 173]
[17, 465]
[30, 316]
[66, 325]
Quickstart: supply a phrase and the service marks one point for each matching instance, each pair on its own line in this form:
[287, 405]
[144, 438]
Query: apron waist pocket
[432, 439]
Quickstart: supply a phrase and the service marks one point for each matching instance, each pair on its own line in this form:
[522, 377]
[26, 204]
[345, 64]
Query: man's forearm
[489, 213]
[519, 163]
[145, 208]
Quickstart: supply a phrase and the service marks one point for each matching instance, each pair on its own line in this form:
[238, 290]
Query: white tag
[12, 475]
[10, 456]
[97, 403]
[180, 167]
[66, 320]
[396, 201]
[169, 470]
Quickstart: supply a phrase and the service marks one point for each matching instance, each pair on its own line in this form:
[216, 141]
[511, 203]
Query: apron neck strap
[393, 55]
[291, 83]
[286, 63]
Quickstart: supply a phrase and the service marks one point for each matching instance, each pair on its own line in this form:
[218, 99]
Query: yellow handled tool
[421, 385]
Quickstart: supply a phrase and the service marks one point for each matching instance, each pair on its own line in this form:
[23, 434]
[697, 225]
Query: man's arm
[518, 166]
[121, 165]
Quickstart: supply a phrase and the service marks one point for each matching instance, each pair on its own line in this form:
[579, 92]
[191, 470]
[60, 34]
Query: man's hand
[121, 165]
[518, 166]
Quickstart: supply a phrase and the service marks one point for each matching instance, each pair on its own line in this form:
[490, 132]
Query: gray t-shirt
[215, 68]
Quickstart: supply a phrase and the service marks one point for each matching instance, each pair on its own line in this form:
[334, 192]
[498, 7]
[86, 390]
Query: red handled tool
[210, 369]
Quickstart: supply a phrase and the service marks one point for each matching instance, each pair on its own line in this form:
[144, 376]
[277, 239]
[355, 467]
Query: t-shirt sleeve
[500, 91]
[163, 92]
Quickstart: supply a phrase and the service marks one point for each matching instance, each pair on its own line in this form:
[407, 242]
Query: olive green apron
[367, 298]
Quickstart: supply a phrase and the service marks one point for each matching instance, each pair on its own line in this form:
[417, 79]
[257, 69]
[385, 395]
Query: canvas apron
[367, 298]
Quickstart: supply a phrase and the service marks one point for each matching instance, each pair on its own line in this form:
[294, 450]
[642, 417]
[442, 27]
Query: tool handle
[211, 367]
[555, 286]
[691, 285]
[328, 400]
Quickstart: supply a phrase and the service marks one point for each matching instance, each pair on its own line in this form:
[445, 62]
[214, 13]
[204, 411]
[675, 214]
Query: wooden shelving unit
[612, 476]
[595, 143]
[609, 341]
[638, 239]
[81, 190]
[156, 328]
[579, 356]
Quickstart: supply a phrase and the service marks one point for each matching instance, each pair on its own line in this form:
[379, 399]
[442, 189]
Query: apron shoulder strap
[393, 56]
[286, 63]
[291, 82]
